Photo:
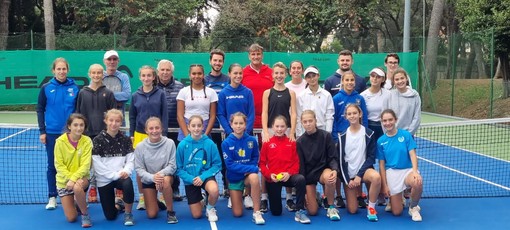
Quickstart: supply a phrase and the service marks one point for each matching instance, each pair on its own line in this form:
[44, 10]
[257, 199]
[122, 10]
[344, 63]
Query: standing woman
[155, 165]
[73, 156]
[405, 102]
[147, 101]
[241, 154]
[296, 84]
[196, 99]
[198, 162]
[357, 158]
[113, 163]
[235, 98]
[374, 98]
[56, 101]
[398, 164]
[317, 99]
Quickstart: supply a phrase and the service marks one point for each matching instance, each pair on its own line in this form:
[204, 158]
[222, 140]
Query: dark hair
[390, 111]
[218, 52]
[357, 107]
[73, 117]
[297, 61]
[238, 114]
[345, 53]
[234, 65]
[393, 55]
[384, 77]
[203, 80]
[279, 117]
[155, 81]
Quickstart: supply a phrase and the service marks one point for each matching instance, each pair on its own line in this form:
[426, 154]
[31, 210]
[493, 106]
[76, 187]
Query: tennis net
[456, 159]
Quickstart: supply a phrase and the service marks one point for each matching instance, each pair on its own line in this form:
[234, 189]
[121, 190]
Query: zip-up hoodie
[151, 158]
[369, 159]
[111, 156]
[317, 151]
[278, 155]
[407, 106]
[205, 163]
[146, 105]
[56, 101]
[232, 100]
[72, 163]
[340, 101]
[241, 156]
[93, 104]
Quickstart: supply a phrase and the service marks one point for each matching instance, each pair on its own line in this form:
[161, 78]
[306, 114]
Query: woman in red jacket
[279, 164]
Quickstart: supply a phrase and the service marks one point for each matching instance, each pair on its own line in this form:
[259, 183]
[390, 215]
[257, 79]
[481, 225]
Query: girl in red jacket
[279, 164]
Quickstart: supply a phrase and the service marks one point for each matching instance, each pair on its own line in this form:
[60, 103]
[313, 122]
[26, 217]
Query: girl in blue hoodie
[241, 154]
[198, 162]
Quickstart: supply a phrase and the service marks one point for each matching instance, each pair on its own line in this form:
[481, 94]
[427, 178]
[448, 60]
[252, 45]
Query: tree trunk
[432, 44]
[469, 63]
[49, 25]
[505, 71]
[4, 23]
[480, 63]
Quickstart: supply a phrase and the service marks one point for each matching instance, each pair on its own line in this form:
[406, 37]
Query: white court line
[26, 147]
[466, 174]
[466, 150]
[12, 135]
[213, 225]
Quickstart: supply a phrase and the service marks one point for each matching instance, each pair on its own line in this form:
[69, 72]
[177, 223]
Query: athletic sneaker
[229, 205]
[177, 196]
[161, 205]
[257, 218]
[301, 217]
[171, 218]
[226, 193]
[263, 205]
[333, 214]
[339, 202]
[371, 214]
[325, 204]
[92, 195]
[248, 202]
[415, 213]
[361, 202]
[85, 221]
[211, 215]
[290, 205]
[141, 204]
[128, 219]
[388, 206]
[52, 203]
[119, 204]
[381, 200]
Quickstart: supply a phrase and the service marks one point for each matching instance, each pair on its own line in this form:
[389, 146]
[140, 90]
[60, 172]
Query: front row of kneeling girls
[301, 164]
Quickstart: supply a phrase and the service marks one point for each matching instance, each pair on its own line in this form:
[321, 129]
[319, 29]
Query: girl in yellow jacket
[73, 155]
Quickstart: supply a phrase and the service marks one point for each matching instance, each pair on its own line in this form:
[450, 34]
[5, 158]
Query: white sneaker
[415, 213]
[388, 206]
[211, 215]
[333, 214]
[248, 202]
[229, 205]
[52, 203]
[257, 218]
[141, 204]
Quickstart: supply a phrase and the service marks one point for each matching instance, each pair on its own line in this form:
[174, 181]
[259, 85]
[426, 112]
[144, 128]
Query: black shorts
[194, 193]
[151, 185]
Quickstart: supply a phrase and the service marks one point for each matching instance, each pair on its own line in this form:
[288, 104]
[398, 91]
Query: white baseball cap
[378, 71]
[110, 53]
[311, 69]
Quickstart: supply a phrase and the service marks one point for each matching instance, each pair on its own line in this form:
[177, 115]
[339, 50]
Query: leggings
[274, 191]
[107, 196]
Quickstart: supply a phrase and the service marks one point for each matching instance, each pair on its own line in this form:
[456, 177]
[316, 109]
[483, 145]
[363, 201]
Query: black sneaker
[339, 202]
[177, 196]
[161, 205]
[325, 202]
[226, 194]
[361, 202]
[290, 205]
[263, 205]
[171, 218]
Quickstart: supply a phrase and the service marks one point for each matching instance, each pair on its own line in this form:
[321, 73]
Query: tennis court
[466, 162]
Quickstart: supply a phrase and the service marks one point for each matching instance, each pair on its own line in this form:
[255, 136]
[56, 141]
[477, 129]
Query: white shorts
[396, 179]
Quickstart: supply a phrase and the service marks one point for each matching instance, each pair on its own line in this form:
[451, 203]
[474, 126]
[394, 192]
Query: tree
[4, 23]
[432, 41]
[477, 15]
[49, 26]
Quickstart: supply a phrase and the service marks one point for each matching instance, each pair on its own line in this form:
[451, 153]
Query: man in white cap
[116, 81]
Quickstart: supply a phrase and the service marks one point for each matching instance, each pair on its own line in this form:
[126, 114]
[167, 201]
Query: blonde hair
[57, 60]
[95, 66]
[113, 112]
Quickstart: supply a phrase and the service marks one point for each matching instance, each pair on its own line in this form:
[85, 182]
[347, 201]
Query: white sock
[263, 196]
[371, 204]
[288, 196]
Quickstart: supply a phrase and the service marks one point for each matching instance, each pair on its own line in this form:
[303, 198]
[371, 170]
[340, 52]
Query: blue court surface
[456, 213]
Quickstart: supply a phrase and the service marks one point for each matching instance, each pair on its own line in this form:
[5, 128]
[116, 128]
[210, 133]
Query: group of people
[294, 135]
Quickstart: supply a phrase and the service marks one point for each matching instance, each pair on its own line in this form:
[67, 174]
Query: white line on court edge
[466, 174]
[213, 225]
[12, 135]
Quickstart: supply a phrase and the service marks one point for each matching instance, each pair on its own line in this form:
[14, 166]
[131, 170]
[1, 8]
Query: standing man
[333, 83]
[116, 81]
[217, 80]
[168, 83]
[258, 77]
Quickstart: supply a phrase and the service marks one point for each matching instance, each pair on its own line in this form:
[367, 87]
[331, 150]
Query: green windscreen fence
[22, 73]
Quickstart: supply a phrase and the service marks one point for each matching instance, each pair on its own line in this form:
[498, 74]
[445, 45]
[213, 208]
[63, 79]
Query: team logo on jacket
[241, 153]
[358, 102]
[401, 139]
[250, 144]
[272, 146]
[71, 92]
